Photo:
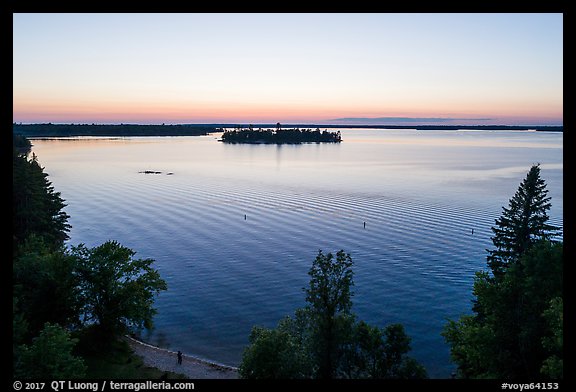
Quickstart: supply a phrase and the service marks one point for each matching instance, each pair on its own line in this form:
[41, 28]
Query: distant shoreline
[128, 130]
[493, 127]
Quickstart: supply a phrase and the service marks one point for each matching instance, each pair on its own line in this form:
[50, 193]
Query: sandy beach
[191, 367]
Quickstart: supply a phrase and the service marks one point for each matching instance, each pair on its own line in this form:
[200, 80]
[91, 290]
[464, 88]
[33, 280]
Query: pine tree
[522, 224]
[37, 209]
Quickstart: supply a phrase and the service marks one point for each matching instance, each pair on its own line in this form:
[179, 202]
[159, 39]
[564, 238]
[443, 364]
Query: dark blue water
[420, 194]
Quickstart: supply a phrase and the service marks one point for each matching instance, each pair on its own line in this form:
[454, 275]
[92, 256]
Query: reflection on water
[419, 192]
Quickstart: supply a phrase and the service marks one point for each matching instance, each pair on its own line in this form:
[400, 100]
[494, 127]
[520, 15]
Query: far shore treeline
[70, 130]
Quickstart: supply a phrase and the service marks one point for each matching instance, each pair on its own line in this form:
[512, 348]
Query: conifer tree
[37, 209]
[522, 224]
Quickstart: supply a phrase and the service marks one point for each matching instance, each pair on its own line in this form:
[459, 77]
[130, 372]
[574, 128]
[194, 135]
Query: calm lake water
[234, 228]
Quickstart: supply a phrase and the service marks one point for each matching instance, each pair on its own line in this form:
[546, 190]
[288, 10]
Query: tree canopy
[50, 356]
[324, 340]
[329, 307]
[117, 290]
[46, 283]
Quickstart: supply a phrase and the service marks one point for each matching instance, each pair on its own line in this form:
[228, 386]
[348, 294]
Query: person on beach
[179, 357]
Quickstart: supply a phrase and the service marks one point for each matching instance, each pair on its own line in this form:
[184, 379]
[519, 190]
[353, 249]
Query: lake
[233, 229]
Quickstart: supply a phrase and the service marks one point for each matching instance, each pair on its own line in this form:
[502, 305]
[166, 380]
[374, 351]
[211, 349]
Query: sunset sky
[292, 68]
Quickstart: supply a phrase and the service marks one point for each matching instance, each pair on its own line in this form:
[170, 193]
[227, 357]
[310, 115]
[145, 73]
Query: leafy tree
[329, 299]
[278, 353]
[381, 354]
[396, 363]
[46, 285]
[50, 356]
[19, 331]
[117, 290]
[36, 207]
[504, 337]
[364, 352]
[522, 224]
[554, 364]
[324, 341]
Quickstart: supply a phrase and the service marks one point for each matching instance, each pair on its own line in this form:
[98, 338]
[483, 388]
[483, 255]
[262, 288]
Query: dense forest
[280, 136]
[72, 302]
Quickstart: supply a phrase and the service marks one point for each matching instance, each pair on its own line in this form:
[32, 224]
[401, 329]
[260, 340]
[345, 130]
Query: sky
[338, 68]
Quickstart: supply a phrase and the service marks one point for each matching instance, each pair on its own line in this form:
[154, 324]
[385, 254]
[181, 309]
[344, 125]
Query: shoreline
[192, 367]
[49, 130]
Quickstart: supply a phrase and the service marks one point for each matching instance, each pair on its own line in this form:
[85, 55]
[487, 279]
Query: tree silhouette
[37, 209]
[329, 299]
[324, 341]
[522, 224]
[117, 289]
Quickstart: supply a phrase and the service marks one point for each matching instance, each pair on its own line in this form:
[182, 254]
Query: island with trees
[279, 135]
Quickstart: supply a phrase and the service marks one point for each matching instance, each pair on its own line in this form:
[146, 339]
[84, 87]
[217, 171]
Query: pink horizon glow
[170, 117]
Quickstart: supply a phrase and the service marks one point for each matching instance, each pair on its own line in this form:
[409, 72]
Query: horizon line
[289, 123]
[409, 119]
